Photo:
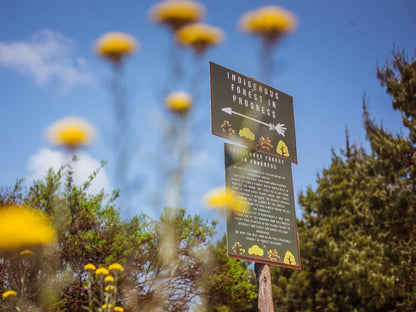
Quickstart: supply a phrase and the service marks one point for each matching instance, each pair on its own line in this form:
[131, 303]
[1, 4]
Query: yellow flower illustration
[90, 267]
[199, 36]
[109, 279]
[227, 199]
[102, 271]
[8, 293]
[177, 13]
[116, 267]
[22, 226]
[115, 46]
[178, 102]
[71, 132]
[270, 22]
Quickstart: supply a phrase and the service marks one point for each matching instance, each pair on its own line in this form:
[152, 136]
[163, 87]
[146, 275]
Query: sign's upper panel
[251, 113]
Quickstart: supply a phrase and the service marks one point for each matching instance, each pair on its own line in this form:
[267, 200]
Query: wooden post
[264, 287]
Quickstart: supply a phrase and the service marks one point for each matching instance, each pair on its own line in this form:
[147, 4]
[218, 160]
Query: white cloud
[40, 163]
[48, 56]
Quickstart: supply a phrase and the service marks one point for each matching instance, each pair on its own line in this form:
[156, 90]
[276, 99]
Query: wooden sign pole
[264, 287]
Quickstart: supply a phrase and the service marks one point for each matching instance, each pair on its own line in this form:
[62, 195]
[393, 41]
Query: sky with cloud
[49, 70]
[45, 57]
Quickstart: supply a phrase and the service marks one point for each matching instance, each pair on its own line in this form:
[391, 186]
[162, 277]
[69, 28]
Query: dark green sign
[251, 113]
[267, 232]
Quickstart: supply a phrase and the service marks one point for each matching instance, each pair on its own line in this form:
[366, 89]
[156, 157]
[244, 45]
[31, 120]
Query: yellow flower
[178, 102]
[116, 45]
[89, 267]
[104, 306]
[177, 13]
[71, 132]
[116, 267]
[109, 288]
[8, 293]
[109, 279]
[22, 226]
[118, 309]
[102, 271]
[227, 199]
[26, 252]
[199, 36]
[270, 22]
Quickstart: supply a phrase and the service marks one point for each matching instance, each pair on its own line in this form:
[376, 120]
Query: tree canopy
[358, 232]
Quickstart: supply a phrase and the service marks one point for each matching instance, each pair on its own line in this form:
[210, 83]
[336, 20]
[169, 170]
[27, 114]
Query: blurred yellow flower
[118, 309]
[178, 102]
[26, 252]
[8, 293]
[226, 199]
[22, 226]
[102, 271]
[71, 132]
[109, 279]
[270, 22]
[177, 13]
[105, 306]
[109, 288]
[116, 267]
[199, 36]
[116, 45]
[89, 267]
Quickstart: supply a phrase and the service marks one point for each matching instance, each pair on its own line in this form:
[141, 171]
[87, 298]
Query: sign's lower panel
[267, 232]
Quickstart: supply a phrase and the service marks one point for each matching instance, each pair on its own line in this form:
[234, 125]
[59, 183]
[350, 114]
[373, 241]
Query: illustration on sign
[251, 113]
[267, 233]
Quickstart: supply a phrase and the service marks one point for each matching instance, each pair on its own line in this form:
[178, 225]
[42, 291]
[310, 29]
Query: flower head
[8, 293]
[177, 13]
[116, 267]
[109, 279]
[71, 132]
[109, 288]
[270, 22]
[105, 306]
[199, 36]
[26, 252]
[114, 46]
[178, 102]
[227, 199]
[118, 309]
[90, 267]
[22, 226]
[102, 271]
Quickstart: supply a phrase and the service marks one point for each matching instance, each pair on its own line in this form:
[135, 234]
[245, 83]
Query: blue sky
[48, 70]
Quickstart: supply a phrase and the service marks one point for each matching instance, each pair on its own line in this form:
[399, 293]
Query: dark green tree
[358, 233]
[230, 284]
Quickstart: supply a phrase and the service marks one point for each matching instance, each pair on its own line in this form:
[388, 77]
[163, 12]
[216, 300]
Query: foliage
[165, 259]
[358, 233]
[230, 285]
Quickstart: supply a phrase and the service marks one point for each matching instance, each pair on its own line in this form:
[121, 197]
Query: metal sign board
[251, 113]
[267, 232]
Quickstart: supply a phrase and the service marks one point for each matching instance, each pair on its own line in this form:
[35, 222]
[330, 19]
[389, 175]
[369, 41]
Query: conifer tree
[358, 232]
